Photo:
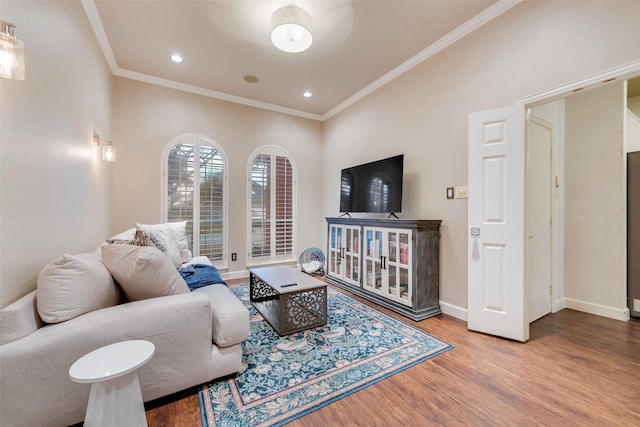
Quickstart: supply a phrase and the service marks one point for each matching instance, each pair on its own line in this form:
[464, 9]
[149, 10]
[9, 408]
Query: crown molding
[463, 30]
[171, 84]
[103, 41]
[622, 72]
[471, 25]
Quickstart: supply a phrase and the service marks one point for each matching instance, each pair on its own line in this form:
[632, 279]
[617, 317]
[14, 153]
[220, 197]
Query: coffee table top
[279, 277]
[111, 361]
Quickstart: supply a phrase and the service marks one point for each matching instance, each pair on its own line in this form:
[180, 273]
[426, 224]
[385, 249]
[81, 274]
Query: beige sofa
[197, 337]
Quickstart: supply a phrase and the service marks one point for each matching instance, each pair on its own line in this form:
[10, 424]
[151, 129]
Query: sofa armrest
[36, 367]
[19, 319]
[229, 316]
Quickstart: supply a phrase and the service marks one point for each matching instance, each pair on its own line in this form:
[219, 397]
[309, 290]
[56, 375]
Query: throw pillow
[143, 271]
[125, 235]
[162, 237]
[73, 285]
[180, 230]
[121, 241]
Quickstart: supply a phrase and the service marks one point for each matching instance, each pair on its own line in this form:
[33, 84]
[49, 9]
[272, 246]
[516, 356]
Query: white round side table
[115, 398]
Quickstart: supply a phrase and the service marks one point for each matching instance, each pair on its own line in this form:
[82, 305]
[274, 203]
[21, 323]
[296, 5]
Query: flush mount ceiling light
[11, 53]
[176, 58]
[291, 29]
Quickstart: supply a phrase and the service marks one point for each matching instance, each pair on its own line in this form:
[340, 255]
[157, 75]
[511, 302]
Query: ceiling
[358, 45]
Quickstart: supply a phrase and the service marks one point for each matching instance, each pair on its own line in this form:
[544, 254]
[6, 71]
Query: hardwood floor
[576, 369]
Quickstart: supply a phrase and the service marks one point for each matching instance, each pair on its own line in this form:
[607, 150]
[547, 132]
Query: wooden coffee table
[288, 299]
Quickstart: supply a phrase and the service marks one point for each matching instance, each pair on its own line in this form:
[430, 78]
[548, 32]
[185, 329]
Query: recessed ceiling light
[176, 58]
[250, 79]
[307, 94]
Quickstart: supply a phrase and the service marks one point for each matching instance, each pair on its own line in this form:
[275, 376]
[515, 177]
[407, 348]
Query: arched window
[272, 204]
[195, 191]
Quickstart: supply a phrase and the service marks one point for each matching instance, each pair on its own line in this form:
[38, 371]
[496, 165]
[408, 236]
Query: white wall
[146, 117]
[533, 47]
[54, 189]
[595, 201]
[633, 104]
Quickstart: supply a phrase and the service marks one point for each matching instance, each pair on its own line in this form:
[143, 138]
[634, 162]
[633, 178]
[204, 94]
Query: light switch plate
[449, 192]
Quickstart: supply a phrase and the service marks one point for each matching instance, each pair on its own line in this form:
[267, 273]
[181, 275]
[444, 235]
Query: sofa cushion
[73, 285]
[143, 271]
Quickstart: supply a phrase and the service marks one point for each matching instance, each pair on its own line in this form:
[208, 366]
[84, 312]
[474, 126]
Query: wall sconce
[11, 53]
[108, 150]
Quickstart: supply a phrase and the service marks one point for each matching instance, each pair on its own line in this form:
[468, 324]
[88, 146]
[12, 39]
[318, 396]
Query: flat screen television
[374, 187]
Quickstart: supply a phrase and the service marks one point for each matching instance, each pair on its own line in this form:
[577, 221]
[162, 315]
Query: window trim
[273, 259]
[198, 140]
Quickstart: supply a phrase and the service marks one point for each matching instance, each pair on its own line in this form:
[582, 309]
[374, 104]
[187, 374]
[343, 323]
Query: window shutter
[261, 206]
[211, 203]
[180, 186]
[195, 193]
[284, 206]
[272, 192]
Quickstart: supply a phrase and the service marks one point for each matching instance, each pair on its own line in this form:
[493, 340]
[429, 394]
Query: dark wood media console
[394, 263]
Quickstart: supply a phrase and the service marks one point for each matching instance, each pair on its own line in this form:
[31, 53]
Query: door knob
[475, 231]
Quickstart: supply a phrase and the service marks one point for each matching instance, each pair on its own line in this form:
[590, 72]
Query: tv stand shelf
[392, 262]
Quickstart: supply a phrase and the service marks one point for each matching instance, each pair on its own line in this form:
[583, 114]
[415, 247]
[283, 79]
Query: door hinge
[550, 221]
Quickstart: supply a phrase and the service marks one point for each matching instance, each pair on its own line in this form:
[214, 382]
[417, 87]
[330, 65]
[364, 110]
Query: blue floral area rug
[287, 377]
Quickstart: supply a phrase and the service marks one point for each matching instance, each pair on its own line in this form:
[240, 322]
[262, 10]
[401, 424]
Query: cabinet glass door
[335, 255]
[373, 259]
[344, 253]
[397, 264]
[352, 254]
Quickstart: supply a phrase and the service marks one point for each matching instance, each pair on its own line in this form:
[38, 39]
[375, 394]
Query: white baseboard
[453, 310]
[559, 305]
[461, 313]
[587, 307]
[598, 309]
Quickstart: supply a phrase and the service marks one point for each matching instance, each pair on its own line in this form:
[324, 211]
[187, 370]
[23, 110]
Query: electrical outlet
[234, 256]
[636, 305]
[462, 192]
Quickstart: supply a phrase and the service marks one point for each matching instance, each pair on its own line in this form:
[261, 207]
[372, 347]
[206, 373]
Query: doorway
[539, 216]
[587, 250]
[586, 235]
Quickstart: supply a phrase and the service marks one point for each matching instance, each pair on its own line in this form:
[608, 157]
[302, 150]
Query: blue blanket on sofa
[199, 275]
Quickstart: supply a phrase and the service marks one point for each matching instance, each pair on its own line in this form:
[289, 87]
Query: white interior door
[539, 216]
[496, 280]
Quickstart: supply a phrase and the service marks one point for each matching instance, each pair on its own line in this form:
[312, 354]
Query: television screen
[374, 187]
